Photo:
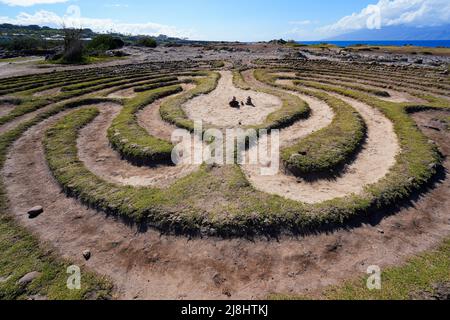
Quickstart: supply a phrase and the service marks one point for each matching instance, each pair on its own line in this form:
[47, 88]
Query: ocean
[419, 43]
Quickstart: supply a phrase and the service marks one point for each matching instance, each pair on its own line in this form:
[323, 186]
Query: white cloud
[301, 23]
[395, 12]
[116, 5]
[29, 3]
[73, 18]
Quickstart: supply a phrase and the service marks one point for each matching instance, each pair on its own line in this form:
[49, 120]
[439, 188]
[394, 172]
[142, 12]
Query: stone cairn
[234, 103]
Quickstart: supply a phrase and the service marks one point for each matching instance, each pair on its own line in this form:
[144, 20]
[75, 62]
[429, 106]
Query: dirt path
[125, 93]
[49, 92]
[28, 116]
[6, 108]
[321, 114]
[214, 108]
[95, 152]
[371, 164]
[20, 67]
[395, 96]
[150, 119]
[150, 266]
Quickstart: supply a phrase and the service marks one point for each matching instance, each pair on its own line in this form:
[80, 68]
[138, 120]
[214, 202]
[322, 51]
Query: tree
[73, 45]
[106, 42]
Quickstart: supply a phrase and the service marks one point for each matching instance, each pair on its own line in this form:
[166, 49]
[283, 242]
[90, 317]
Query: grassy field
[419, 278]
[19, 59]
[20, 252]
[131, 140]
[241, 209]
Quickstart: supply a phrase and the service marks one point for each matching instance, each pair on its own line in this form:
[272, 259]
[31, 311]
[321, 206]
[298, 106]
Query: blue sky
[242, 20]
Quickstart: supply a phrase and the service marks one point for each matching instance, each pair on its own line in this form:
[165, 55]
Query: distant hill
[399, 33]
[8, 31]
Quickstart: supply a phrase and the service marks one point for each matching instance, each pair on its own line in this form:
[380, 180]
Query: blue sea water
[419, 43]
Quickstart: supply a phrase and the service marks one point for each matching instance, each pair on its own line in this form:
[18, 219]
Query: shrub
[24, 43]
[105, 42]
[147, 42]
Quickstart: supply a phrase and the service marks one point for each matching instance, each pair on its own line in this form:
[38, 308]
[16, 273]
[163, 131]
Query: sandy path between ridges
[371, 164]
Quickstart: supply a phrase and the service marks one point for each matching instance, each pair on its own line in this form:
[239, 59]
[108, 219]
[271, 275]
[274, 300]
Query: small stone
[87, 254]
[380, 231]
[35, 211]
[5, 279]
[234, 103]
[227, 293]
[28, 278]
[218, 279]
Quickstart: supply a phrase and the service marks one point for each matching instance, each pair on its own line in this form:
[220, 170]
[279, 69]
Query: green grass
[29, 103]
[131, 140]
[86, 60]
[413, 279]
[154, 82]
[180, 207]
[20, 252]
[323, 151]
[313, 46]
[329, 148]
[26, 106]
[10, 100]
[293, 108]
[169, 81]
[51, 80]
[18, 59]
[380, 80]
[242, 210]
[238, 80]
[108, 80]
[171, 110]
[376, 92]
[218, 64]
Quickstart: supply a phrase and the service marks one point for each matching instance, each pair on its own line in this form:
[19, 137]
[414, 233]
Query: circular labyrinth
[101, 139]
